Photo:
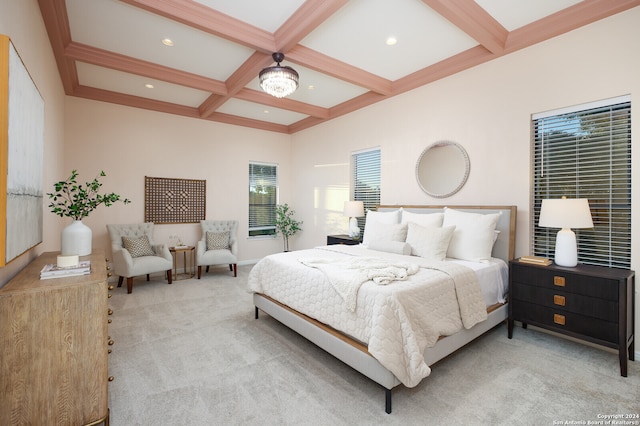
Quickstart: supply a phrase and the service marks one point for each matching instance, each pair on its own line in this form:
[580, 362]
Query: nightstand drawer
[565, 322]
[584, 305]
[556, 279]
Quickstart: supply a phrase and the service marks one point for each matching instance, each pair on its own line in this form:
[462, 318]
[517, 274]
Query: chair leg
[119, 281]
[169, 276]
[199, 271]
[129, 285]
[147, 277]
[235, 270]
[207, 270]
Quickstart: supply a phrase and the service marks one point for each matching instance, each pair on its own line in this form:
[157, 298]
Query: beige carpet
[191, 353]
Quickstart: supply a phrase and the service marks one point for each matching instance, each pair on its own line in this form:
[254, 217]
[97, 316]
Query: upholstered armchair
[135, 254]
[218, 245]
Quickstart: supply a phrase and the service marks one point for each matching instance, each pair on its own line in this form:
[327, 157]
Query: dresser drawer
[576, 303]
[568, 282]
[565, 322]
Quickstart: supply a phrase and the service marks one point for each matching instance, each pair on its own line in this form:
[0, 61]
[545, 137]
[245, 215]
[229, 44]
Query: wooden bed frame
[355, 353]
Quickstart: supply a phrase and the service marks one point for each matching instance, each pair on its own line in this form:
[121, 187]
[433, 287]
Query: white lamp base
[566, 248]
[354, 231]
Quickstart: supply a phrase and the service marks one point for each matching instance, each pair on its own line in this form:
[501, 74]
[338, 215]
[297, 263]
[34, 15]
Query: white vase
[76, 239]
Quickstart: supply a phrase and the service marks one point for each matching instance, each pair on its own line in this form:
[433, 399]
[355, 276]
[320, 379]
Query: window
[585, 152]
[263, 197]
[365, 180]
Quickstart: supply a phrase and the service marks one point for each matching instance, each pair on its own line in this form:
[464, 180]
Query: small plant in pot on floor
[286, 224]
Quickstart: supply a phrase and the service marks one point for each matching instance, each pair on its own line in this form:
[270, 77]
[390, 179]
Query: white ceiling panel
[135, 85]
[118, 27]
[267, 15]
[423, 36]
[260, 112]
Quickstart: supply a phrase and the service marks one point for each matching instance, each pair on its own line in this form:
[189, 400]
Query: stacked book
[534, 260]
[55, 271]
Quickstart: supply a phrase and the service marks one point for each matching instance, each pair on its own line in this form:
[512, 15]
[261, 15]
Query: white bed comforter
[397, 321]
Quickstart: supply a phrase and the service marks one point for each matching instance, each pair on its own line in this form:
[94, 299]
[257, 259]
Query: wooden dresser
[591, 303]
[53, 365]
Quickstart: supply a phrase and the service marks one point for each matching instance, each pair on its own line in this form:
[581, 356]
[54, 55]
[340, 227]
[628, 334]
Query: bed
[396, 304]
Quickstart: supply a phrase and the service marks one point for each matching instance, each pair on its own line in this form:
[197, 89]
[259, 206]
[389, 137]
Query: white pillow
[423, 219]
[377, 231]
[429, 242]
[474, 235]
[391, 217]
[397, 247]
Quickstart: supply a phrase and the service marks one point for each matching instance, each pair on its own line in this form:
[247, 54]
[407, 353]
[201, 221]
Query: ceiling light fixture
[167, 42]
[279, 81]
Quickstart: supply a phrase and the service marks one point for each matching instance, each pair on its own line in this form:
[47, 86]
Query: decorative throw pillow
[138, 247]
[377, 231]
[217, 240]
[373, 218]
[423, 219]
[474, 235]
[429, 242]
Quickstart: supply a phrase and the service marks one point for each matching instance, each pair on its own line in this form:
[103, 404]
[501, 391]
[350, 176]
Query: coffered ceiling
[113, 51]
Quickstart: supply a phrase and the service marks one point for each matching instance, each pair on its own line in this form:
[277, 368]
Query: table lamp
[565, 214]
[353, 209]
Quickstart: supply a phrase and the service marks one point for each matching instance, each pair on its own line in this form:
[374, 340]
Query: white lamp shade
[565, 213]
[353, 208]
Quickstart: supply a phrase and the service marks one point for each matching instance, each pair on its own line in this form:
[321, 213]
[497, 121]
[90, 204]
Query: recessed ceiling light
[167, 42]
[311, 87]
[149, 86]
[391, 41]
[266, 111]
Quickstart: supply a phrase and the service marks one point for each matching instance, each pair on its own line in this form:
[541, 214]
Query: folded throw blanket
[347, 276]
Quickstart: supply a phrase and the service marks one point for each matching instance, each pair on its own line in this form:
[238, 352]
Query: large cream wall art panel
[21, 163]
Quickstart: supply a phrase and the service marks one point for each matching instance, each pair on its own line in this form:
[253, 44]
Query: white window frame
[265, 230]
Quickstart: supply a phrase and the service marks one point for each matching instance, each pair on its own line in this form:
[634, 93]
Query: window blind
[586, 153]
[263, 197]
[365, 180]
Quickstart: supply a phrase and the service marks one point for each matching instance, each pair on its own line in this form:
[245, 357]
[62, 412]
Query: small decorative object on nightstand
[591, 303]
[343, 239]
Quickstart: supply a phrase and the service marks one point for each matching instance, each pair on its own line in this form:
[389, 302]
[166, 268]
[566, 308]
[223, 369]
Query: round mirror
[442, 169]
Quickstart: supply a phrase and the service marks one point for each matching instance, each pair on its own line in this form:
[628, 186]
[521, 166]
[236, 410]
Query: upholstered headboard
[505, 245]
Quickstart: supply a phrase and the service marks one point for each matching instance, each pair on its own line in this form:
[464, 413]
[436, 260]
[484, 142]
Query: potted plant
[74, 200]
[286, 224]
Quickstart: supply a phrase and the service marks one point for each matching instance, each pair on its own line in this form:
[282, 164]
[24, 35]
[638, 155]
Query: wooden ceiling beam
[569, 19]
[327, 65]
[473, 20]
[305, 20]
[56, 21]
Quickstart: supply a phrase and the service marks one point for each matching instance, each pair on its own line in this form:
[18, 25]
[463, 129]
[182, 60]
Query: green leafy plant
[286, 224]
[74, 200]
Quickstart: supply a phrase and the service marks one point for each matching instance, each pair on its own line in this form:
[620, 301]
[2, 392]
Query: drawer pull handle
[559, 281]
[558, 319]
[558, 300]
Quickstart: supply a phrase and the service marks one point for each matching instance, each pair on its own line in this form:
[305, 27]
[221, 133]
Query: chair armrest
[201, 248]
[122, 261]
[162, 250]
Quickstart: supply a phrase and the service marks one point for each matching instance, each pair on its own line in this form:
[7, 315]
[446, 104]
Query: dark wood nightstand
[591, 303]
[342, 239]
